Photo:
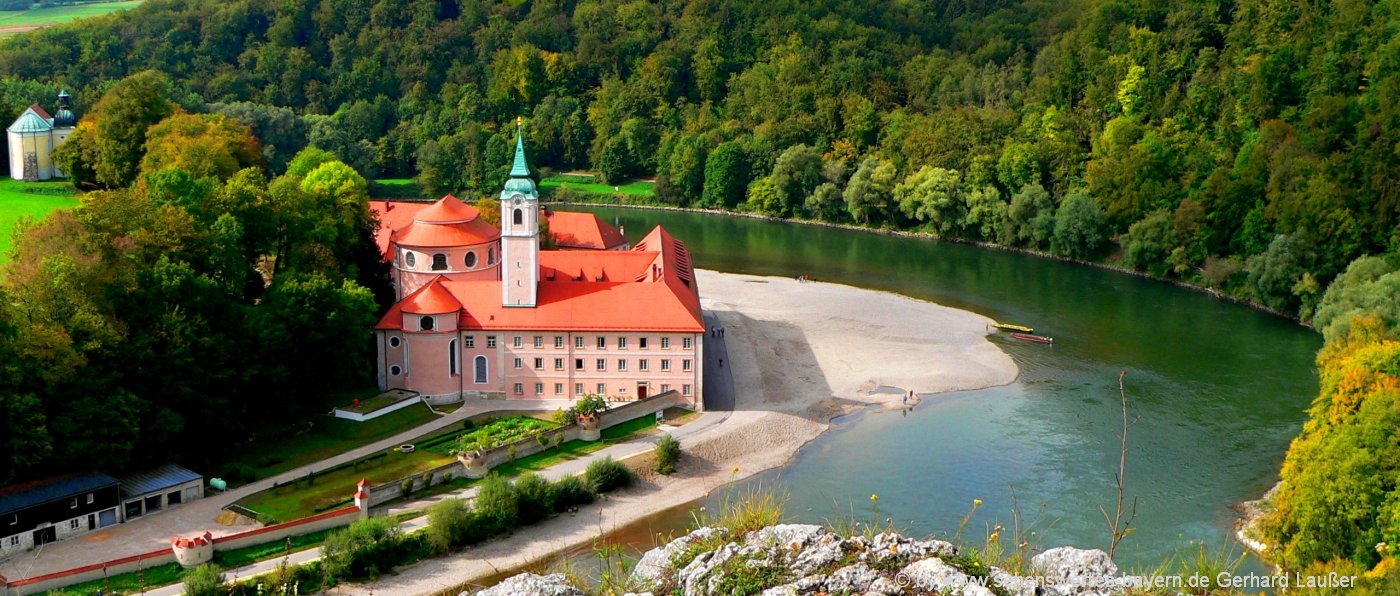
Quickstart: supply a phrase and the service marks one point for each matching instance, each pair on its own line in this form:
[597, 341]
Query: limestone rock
[934, 575]
[652, 568]
[851, 579]
[1068, 570]
[529, 584]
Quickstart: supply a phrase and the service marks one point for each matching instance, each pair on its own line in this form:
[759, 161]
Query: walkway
[154, 532]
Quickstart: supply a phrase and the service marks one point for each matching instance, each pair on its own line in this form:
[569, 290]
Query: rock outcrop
[799, 559]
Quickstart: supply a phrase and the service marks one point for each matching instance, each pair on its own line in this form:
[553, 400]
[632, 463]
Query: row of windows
[440, 259]
[601, 341]
[601, 364]
[602, 389]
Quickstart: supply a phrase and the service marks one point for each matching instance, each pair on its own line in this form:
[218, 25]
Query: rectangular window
[578, 342]
[665, 343]
[685, 343]
[72, 524]
[602, 342]
[539, 341]
[622, 343]
[685, 364]
[558, 364]
[517, 342]
[490, 341]
[665, 388]
[539, 388]
[89, 499]
[519, 364]
[578, 389]
[685, 389]
[470, 341]
[14, 541]
[578, 364]
[641, 343]
[559, 389]
[665, 364]
[602, 388]
[642, 364]
[539, 364]
[602, 364]
[74, 504]
[519, 388]
[621, 365]
[452, 358]
[558, 342]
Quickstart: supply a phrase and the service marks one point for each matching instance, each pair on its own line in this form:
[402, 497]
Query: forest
[1246, 146]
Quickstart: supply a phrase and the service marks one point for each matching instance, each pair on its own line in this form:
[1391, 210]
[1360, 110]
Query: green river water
[1218, 390]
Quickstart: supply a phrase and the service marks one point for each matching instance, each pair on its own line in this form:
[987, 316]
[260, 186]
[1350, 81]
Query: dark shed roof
[28, 494]
[158, 479]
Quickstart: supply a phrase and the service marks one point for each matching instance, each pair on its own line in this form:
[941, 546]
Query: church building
[483, 312]
[33, 137]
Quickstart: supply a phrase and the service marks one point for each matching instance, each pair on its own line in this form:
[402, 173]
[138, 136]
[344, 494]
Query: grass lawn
[395, 188]
[588, 185]
[29, 199]
[126, 583]
[18, 21]
[328, 437]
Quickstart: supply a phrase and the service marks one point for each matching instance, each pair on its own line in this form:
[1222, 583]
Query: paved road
[719, 383]
[150, 533]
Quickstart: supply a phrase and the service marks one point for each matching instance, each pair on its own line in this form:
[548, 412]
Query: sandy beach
[800, 354]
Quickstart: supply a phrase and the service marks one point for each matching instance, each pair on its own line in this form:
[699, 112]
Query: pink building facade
[484, 313]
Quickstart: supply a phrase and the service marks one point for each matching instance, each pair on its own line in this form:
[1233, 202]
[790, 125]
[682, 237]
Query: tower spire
[519, 169]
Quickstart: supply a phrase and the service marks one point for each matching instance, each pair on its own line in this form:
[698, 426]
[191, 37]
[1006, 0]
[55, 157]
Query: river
[1217, 391]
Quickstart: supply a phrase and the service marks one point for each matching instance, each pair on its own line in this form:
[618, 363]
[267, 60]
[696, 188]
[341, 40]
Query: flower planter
[475, 463]
[589, 427]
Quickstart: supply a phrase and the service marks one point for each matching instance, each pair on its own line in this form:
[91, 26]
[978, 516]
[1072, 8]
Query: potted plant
[588, 415]
[472, 451]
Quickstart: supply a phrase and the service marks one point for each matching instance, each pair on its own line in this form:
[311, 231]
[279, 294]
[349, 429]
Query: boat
[1010, 327]
[1035, 338]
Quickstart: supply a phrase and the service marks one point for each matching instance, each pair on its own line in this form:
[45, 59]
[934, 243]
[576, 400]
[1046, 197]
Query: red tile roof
[40, 111]
[431, 299]
[431, 235]
[648, 288]
[392, 215]
[582, 230]
[448, 210]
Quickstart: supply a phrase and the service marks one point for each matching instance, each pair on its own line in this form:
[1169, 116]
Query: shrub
[564, 416]
[366, 549]
[668, 452]
[204, 580]
[607, 474]
[406, 487]
[535, 497]
[571, 491]
[589, 404]
[448, 522]
[498, 504]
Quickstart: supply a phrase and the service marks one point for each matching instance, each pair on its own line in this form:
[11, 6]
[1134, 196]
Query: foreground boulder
[801, 559]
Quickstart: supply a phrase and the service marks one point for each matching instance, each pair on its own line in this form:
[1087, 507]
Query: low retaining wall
[394, 407]
[78, 575]
[378, 495]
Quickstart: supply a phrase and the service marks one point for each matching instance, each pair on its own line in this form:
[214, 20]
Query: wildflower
[977, 502]
[735, 470]
[874, 498]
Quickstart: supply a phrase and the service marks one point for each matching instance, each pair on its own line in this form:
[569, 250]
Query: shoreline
[801, 354]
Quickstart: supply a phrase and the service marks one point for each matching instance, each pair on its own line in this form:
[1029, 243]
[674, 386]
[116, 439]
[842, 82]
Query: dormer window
[425, 324]
[439, 262]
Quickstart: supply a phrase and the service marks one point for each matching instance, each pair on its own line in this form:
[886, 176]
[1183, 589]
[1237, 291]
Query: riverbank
[800, 354]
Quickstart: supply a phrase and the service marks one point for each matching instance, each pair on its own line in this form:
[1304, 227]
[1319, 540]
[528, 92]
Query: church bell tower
[520, 234]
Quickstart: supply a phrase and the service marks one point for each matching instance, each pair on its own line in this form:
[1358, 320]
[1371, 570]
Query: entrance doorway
[92, 522]
[641, 391]
[45, 535]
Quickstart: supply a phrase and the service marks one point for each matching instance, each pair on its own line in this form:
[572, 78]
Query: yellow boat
[1010, 327]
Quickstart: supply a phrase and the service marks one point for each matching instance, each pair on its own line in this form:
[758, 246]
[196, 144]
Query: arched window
[393, 342]
[519, 217]
[408, 259]
[439, 262]
[480, 373]
[471, 259]
[425, 324]
[452, 357]
[491, 256]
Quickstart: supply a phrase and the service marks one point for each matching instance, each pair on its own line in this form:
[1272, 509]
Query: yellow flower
[977, 502]
[874, 497]
[736, 469]
[993, 537]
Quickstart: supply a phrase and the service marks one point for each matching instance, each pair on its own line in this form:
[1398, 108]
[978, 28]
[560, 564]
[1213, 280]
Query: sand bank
[800, 354]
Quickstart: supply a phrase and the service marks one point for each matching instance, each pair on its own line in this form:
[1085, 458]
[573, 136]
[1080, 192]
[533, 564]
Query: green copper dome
[524, 186]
